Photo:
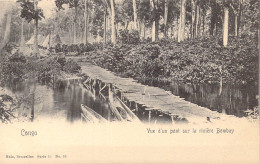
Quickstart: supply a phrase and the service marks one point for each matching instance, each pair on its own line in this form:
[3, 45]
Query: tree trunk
[105, 27]
[181, 30]
[225, 27]
[33, 100]
[144, 30]
[258, 36]
[139, 25]
[155, 26]
[236, 29]
[113, 27]
[74, 28]
[71, 34]
[85, 38]
[239, 15]
[135, 14]
[165, 17]
[29, 31]
[213, 17]
[6, 31]
[172, 32]
[178, 26]
[22, 37]
[36, 49]
[258, 45]
[197, 20]
[203, 25]
[193, 17]
[141, 30]
[154, 32]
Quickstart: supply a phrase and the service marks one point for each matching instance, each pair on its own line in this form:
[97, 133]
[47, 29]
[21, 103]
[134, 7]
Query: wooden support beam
[94, 83]
[150, 113]
[102, 88]
[172, 119]
[102, 95]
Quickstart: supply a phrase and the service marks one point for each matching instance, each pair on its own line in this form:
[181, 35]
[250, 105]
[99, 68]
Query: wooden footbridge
[136, 95]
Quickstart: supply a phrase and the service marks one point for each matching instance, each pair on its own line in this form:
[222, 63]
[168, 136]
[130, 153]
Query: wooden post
[149, 116]
[109, 90]
[172, 119]
[99, 86]
[94, 83]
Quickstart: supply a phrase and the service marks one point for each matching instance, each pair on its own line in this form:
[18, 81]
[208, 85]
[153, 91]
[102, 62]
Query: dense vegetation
[17, 67]
[202, 60]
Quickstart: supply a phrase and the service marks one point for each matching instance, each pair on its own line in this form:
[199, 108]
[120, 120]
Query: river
[230, 99]
[63, 100]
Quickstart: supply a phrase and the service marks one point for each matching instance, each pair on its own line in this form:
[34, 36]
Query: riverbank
[19, 72]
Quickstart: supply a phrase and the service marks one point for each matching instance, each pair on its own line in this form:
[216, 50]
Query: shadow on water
[70, 94]
[229, 99]
[63, 100]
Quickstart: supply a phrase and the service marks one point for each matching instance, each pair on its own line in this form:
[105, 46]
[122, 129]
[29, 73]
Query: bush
[71, 67]
[127, 37]
[58, 48]
[6, 113]
[12, 68]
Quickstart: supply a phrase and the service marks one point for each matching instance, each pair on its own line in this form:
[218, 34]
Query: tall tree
[144, 14]
[72, 4]
[166, 3]
[22, 36]
[155, 19]
[216, 20]
[36, 49]
[6, 31]
[135, 14]
[236, 8]
[30, 11]
[193, 16]
[111, 10]
[86, 23]
[197, 19]
[225, 24]
[105, 26]
[5, 23]
[113, 34]
[181, 29]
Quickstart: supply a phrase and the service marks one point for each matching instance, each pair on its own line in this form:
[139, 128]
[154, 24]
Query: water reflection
[229, 99]
[70, 94]
[63, 100]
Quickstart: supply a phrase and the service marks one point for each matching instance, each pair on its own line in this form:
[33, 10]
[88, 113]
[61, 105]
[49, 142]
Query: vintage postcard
[129, 81]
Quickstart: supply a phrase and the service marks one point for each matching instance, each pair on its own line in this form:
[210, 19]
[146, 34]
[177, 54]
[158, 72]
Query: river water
[63, 100]
[229, 99]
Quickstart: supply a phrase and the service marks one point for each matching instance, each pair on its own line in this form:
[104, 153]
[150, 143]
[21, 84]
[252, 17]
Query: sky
[48, 7]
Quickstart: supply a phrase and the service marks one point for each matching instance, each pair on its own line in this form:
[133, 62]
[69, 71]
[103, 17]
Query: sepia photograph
[129, 81]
